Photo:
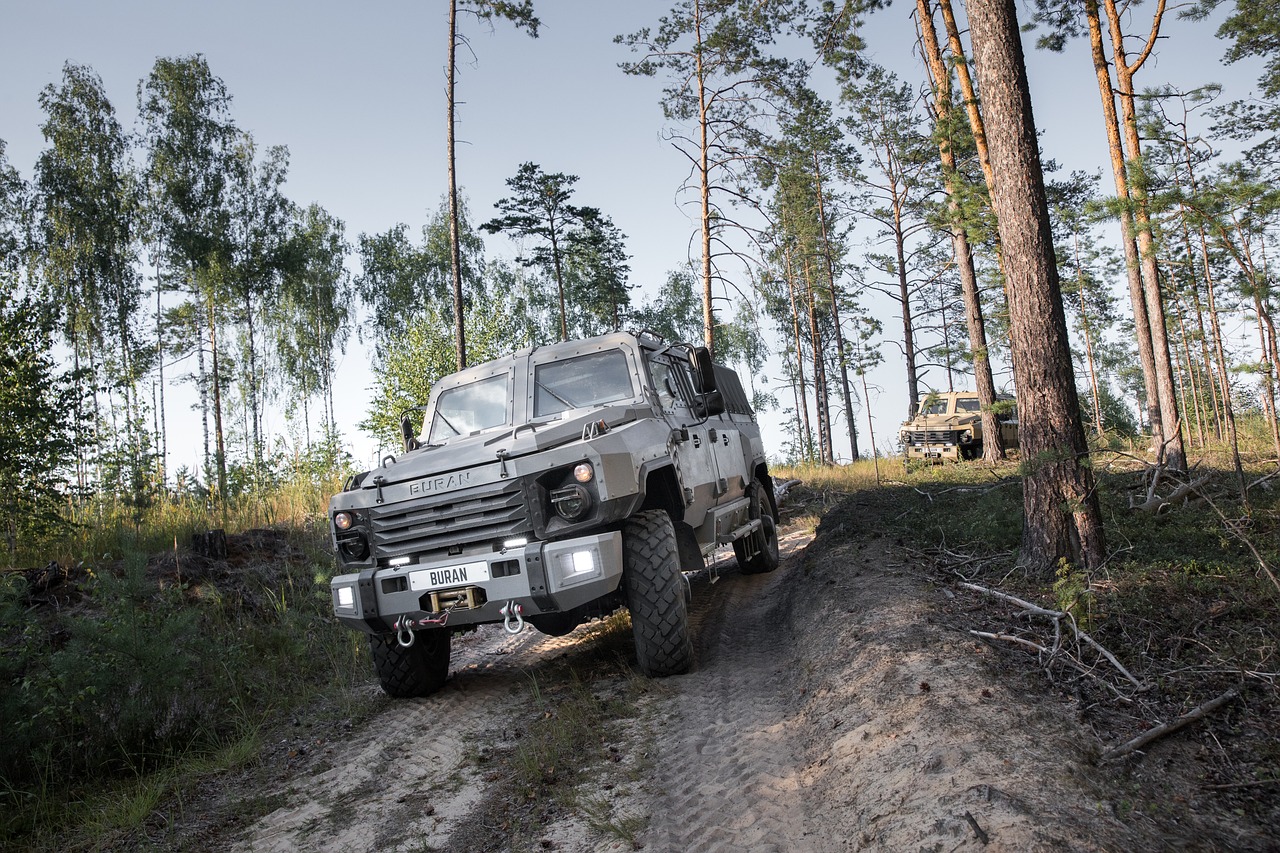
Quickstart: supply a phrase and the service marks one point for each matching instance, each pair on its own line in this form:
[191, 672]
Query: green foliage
[577, 248]
[164, 668]
[37, 444]
[421, 352]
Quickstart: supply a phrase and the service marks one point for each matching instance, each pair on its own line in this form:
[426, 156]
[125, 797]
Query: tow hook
[404, 634]
[509, 610]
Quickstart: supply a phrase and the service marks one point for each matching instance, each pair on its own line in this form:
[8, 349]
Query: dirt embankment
[835, 706]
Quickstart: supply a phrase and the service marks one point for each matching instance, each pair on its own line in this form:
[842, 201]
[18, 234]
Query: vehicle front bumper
[541, 577]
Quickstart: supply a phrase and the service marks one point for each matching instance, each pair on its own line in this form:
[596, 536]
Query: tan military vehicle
[948, 425]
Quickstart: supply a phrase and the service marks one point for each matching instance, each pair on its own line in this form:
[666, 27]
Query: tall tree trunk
[455, 249]
[1137, 300]
[908, 324]
[163, 435]
[821, 394]
[704, 177]
[1087, 332]
[1170, 421]
[1062, 518]
[220, 454]
[253, 389]
[835, 309]
[992, 445]
[802, 406]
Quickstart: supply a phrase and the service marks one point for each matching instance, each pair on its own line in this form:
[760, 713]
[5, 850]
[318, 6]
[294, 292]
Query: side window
[667, 384]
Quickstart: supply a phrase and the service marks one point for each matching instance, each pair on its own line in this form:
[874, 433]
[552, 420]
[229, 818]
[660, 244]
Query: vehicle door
[691, 448]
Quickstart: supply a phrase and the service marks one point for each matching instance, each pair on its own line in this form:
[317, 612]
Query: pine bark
[992, 445]
[455, 249]
[1062, 518]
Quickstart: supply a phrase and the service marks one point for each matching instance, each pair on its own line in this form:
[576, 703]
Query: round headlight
[583, 472]
[966, 436]
[343, 520]
[571, 502]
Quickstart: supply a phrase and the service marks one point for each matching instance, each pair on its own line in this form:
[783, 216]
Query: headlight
[583, 472]
[966, 436]
[571, 502]
[346, 596]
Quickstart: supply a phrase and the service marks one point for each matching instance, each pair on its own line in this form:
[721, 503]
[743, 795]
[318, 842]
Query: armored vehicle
[550, 487]
[948, 425]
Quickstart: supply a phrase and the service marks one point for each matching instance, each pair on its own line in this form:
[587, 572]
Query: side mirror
[709, 405]
[408, 433]
[703, 370]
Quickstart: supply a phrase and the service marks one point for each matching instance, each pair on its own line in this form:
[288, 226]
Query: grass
[143, 669]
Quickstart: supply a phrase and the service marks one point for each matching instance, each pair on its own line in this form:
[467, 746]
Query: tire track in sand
[727, 768]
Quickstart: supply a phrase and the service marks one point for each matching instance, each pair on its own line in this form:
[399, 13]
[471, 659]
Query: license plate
[461, 575]
[934, 454]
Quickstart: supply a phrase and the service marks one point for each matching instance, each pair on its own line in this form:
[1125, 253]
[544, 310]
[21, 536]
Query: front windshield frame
[471, 407]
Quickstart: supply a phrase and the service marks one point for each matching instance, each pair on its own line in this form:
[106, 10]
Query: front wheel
[416, 670]
[758, 552]
[656, 594]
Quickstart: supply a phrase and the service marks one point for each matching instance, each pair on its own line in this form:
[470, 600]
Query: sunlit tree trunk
[1137, 300]
[1062, 518]
[1172, 450]
[992, 445]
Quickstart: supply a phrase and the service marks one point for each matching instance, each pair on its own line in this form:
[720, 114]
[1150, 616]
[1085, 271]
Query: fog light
[343, 520]
[576, 563]
[346, 597]
[583, 472]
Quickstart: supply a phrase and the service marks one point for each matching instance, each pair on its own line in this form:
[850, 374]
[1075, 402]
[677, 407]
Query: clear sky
[356, 92]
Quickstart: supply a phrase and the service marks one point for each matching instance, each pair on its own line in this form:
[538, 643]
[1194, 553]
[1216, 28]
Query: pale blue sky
[356, 92]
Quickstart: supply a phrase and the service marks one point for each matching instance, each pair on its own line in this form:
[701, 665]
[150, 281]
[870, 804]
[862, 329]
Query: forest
[140, 259]
[845, 218]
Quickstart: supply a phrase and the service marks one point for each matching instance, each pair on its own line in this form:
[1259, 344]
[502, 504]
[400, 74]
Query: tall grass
[105, 527]
[143, 665]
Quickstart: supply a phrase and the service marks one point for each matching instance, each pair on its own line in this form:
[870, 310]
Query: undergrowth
[133, 667]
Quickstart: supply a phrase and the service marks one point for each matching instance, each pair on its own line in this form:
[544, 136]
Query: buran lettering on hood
[440, 484]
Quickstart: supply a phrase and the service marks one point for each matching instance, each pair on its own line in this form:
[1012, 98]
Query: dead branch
[978, 832]
[1058, 618]
[1154, 503]
[1010, 638]
[1197, 713]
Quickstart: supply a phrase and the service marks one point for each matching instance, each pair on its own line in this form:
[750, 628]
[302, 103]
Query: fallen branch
[1058, 618]
[978, 832]
[1010, 638]
[1197, 713]
[1154, 503]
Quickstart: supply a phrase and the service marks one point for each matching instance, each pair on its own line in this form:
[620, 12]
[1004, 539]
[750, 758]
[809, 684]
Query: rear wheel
[656, 594]
[416, 670]
[764, 542]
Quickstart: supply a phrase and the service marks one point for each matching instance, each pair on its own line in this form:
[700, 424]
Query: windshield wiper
[448, 423]
[568, 403]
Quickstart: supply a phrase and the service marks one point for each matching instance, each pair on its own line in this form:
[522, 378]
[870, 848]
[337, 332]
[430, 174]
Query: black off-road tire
[767, 559]
[418, 670]
[656, 594]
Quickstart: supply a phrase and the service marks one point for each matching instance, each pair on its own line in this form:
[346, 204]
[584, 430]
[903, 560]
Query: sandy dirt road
[832, 708]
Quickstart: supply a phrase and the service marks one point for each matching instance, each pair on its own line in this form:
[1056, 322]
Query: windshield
[968, 404]
[934, 407]
[575, 383]
[470, 408]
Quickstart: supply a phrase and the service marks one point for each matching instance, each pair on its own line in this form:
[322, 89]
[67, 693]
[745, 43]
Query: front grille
[944, 436]
[451, 521]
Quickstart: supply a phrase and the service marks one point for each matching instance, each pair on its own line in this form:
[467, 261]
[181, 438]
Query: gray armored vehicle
[550, 487]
